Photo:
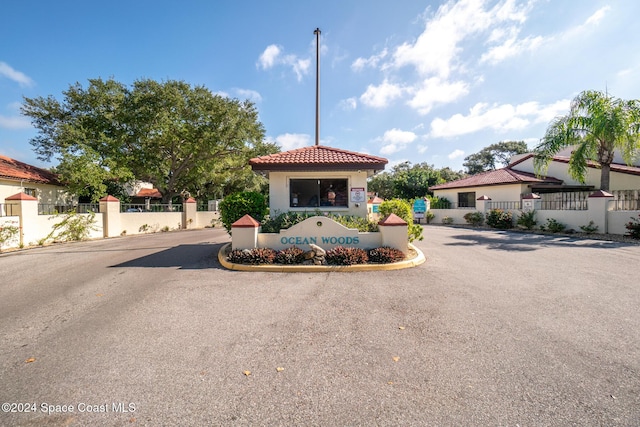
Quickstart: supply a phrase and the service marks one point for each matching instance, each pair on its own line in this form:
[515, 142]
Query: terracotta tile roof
[149, 192]
[15, 170]
[318, 157]
[497, 177]
[615, 167]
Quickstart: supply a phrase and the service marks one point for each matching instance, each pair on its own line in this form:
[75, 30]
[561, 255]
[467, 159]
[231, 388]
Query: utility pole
[317, 33]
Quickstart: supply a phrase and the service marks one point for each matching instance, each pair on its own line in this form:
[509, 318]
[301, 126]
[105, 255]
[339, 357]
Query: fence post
[482, 203]
[189, 209]
[244, 233]
[26, 208]
[531, 202]
[598, 206]
[110, 210]
[394, 232]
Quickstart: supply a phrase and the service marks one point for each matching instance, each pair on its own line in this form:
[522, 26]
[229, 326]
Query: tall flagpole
[317, 33]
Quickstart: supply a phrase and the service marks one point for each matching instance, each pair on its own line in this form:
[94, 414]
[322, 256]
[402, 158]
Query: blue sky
[424, 81]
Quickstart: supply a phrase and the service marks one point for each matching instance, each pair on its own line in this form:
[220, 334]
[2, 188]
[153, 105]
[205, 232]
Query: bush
[346, 256]
[447, 220]
[634, 228]
[527, 220]
[474, 218]
[292, 255]
[7, 234]
[72, 227]
[254, 256]
[289, 219]
[429, 215]
[439, 203]
[499, 218]
[553, 226]
[237, 205]
[589, 228]
[385, 255]
[403, 210]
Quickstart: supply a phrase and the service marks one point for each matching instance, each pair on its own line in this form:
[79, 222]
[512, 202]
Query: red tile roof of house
[149, 192]
[496, 177]
[615, 167]
[318, 157]
[15, 170]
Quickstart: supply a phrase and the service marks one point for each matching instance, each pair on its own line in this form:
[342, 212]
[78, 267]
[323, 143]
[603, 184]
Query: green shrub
[634, 228]
[499, 218]
[292, 255]
[553, 226]
[236, 205]
[385, 255]
[447, 220]
[403, 209]
[72, 227]
[289, 219]
[254, 256]
[589, 228]
[346, 256]
[474, 218]
[429, 215]
[439, 203]
[527, 220]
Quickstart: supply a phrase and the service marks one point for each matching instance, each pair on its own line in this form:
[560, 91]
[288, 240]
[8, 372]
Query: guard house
[319, 177]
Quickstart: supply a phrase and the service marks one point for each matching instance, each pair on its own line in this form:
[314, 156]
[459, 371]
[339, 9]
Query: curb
[413, 262]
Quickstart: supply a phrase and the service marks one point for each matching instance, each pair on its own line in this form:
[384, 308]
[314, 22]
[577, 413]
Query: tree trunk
[604, 176]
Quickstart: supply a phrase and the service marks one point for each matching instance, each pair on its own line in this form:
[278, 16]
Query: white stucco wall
[497, 193]
[279, 191]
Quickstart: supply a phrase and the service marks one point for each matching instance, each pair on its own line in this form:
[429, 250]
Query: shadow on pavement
[184, 257]
[510, 241]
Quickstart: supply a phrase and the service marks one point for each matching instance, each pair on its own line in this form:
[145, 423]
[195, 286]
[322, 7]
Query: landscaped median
[331, 247]
[413, 258]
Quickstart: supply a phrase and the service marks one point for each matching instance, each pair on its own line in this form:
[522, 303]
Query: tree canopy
[597, 125]
[487, 158]
[407, 181]
[181, 138]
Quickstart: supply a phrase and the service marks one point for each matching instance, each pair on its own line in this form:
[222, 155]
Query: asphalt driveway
[495, 329]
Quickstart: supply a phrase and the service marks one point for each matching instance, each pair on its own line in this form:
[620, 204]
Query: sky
[409, 80]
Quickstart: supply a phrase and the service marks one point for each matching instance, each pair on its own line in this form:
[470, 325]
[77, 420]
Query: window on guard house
[467, 200]
[318, 193]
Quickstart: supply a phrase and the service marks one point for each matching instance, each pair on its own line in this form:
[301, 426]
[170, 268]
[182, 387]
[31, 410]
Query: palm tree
[597, 125]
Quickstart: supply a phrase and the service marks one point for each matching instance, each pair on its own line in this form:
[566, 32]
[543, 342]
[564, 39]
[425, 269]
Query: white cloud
[291, 141]
[17, 76]
[422, 149]
[499, 118]
[269, 56]
[348, 104]
[434, 91]
[511, 47]
[14, 122]
[455, 154]
[382, 95]
[249, 94]
[597, 16]
[396, 140]
[273, 55]
[372, 61]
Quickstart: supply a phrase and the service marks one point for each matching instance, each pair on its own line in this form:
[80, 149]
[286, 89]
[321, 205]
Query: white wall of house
[560, 170]
[45, 193]
[502, 193]
[279, 191]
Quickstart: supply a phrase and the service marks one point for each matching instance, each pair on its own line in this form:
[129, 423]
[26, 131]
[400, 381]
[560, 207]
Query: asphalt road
[495, 329]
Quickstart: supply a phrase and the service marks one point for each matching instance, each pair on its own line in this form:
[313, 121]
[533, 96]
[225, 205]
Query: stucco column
[531, 202]
[482, 203]
[110, 210]
[599, 209]
[26, 208]
[394, 233]
[189, 209]
[244, 233]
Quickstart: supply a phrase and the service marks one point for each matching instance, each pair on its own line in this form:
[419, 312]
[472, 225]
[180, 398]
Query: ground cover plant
[499, 218]
[474, 218]
[527, 220]
[385, 255]
[346, 256]
[553, 226]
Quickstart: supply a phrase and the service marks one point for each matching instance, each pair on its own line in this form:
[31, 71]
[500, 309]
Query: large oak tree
[181, 138]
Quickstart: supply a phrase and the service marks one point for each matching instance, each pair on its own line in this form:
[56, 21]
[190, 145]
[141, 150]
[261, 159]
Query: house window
[315, 193]
[467, 200]
[30, 192]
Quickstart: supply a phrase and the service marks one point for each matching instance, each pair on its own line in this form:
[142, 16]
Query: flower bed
[295, 256]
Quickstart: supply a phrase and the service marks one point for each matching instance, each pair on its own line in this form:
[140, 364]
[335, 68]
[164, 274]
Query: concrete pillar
[244, 233]
[189, 209]
[599, 207]
[482, 204]
[110, 210]
[394, 233]
[26, 208]
[531, 202]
